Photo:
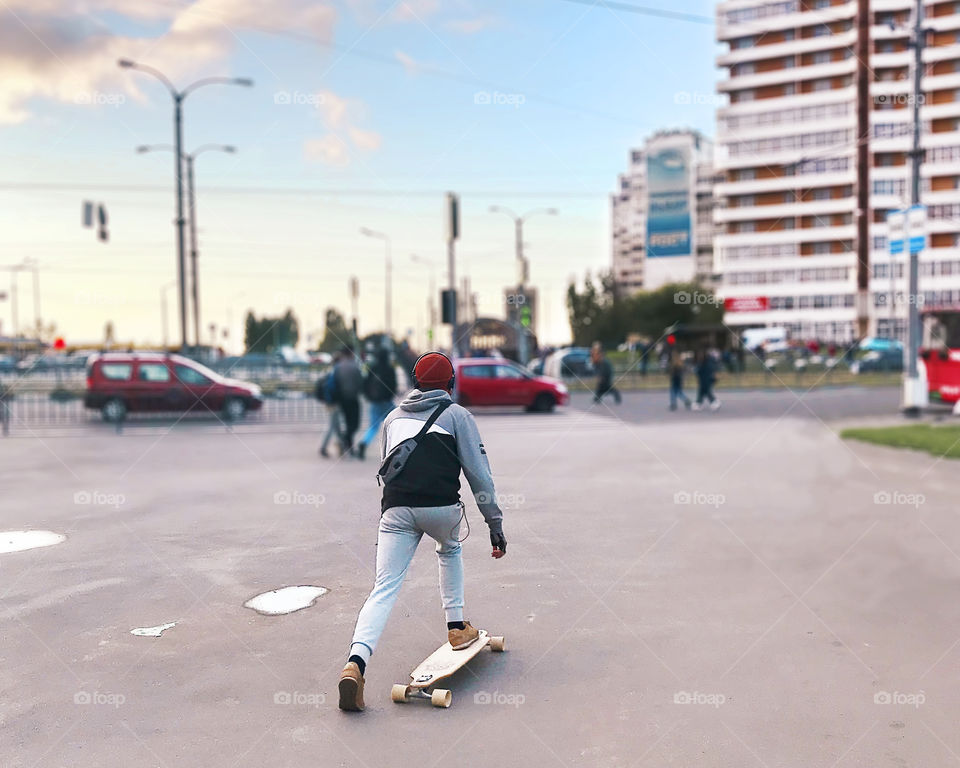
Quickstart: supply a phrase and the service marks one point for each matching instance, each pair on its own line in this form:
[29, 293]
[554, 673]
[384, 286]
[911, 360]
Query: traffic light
[448, 304]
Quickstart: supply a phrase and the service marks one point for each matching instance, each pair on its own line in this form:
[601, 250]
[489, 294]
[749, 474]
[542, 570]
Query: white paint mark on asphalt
[18, 541]
[286, 600]
[152, 631]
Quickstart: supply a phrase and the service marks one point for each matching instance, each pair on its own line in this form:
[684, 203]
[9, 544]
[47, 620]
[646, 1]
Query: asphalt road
[715, 592]
[826, 404]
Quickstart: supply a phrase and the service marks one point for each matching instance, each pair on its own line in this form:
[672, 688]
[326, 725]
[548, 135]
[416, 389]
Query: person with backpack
[348, 381]
[706, 378]
[379, 387]
[326, 392]
[604, 371]
[676, 381]
[426, 442]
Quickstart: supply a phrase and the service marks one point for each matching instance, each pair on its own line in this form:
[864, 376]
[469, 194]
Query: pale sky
[363, 113]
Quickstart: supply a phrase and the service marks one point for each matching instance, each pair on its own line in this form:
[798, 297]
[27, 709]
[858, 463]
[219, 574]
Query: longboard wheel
[441, 698]
[399, 694]
[497, 643]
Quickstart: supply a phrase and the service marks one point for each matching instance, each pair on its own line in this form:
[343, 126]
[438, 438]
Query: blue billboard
[668, 203]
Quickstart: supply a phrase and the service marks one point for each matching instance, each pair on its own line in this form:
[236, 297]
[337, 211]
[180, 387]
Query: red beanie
[433, 371]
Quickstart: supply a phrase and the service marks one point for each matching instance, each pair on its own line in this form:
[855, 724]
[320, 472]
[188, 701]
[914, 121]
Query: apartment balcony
[805, 45]
[729, 30]
[933, 53]
[788, 102]
[788, 75]
[728, 240]
[800, 181]
[821, 208]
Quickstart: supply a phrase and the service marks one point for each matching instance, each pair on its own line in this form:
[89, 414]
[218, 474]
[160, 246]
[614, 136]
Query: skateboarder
[423, 498]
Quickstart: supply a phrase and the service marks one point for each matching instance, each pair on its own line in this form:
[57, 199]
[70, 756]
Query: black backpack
[396, 461]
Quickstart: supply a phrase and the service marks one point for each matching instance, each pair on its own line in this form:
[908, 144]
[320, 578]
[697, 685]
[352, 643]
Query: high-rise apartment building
[662, 213]
[786, 151]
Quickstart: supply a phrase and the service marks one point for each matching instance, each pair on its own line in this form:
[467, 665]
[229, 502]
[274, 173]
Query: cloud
[50, 51]
[409, 63]
[329, 150]
[339, 115]
[366, 140]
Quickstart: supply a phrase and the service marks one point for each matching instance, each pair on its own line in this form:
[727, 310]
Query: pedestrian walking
[379, 388]
[326, 392]
[706, 378]
[426, 443]
[604, 374]
[676, 381]
[348, 380]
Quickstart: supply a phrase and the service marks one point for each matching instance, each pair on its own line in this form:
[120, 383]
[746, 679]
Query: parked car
[126, 382]
[493, 381]
[875, 354]
[571, 362]
[7, 364]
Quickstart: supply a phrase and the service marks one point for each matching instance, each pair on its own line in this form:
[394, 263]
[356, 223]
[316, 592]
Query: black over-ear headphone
[453, 377]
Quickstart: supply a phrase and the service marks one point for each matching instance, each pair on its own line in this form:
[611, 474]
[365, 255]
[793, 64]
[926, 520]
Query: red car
[122, 382]
[493, 381]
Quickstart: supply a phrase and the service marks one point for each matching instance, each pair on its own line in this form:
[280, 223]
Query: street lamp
[178, 98]
[523, 266]
[389, 290]
[431, 307]
[192, 206]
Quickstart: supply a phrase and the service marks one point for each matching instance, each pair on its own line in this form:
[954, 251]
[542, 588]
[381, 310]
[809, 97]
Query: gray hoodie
[452, 443]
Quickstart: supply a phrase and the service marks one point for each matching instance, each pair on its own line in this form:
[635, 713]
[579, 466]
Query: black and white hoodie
[431, 477]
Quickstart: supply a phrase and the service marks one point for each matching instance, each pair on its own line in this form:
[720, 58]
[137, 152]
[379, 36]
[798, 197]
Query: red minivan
[496, 381]
[127, 382]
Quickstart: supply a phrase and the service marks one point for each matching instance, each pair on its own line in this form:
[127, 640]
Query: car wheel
[544, 403]
[234, 408]
[114, 410]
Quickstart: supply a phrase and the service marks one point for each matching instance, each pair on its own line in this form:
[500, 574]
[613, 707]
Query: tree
[268, 334]
[602, 314]
[336, 334]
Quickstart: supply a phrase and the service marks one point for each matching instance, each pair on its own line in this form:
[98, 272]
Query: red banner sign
[747, 304]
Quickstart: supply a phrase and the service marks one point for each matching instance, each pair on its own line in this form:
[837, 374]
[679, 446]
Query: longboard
[439, 665]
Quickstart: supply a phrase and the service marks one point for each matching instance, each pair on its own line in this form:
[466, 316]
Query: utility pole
[452, 219]
[178, 96]
[863, 167]
[913, 395]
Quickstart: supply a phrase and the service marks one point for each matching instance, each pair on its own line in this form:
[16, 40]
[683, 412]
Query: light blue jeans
[378, 412]
[401, 529]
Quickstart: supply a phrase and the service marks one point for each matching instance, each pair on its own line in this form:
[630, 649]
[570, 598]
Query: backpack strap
[433, 417]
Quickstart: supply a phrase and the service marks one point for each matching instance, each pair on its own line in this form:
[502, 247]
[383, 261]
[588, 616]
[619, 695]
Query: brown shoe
[351, 688]
[462, 638]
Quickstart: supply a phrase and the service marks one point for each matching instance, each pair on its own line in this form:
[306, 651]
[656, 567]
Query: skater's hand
[499, 542]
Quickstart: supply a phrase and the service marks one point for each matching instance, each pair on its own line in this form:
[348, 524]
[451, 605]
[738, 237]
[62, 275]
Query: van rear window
[116, 371]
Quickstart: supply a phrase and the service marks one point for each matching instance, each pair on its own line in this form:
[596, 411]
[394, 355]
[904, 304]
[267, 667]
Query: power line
[344, 192]
[645, 11]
